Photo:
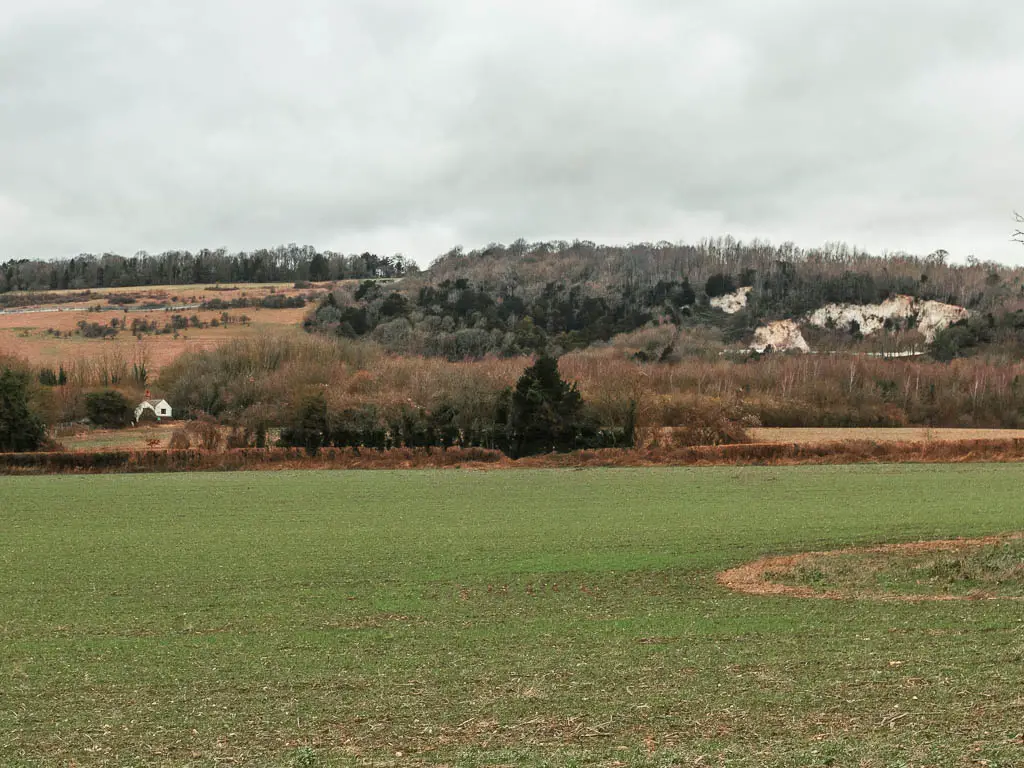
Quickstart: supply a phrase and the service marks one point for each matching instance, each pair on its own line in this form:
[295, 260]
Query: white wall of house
[162, 409]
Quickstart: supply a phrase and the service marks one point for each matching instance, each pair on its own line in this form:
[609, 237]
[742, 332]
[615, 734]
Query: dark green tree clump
[310, 428]
[108, 408]
[21, 428]
[51, 378]
[546, 414]
[719, 285]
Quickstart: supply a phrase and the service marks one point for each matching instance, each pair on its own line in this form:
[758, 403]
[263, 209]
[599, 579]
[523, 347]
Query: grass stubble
[535, 618]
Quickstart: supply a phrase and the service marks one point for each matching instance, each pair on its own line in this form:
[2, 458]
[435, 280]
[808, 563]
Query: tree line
[543, 413]
[285, 263]
[782, 269]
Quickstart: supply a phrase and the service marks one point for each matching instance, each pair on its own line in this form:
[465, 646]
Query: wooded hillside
[526, 298]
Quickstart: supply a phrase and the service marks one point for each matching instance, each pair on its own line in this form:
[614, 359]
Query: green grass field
[513, 618]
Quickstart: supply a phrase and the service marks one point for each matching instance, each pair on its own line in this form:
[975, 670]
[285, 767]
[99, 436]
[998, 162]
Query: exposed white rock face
[732, 303]
[870, 317]
[781, 336]
[932, 316]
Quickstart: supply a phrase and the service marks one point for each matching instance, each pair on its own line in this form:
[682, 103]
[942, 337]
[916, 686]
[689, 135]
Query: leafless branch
[1018, 234]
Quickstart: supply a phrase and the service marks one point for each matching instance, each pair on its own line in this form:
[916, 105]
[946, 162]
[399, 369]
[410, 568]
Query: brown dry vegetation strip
[852, 452]
[877, 434]
[754, 578]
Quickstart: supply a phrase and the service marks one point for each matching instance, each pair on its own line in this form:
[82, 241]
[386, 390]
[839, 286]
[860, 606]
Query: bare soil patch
[758, 577]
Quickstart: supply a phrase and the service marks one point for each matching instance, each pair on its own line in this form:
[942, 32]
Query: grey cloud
[406, 126]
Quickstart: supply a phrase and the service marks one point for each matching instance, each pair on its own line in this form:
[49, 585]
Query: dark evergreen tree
[958, 340]
[310, 427]
[108, 408]
[719, 285]
[21, 429]
[545, 413]
[319, 268]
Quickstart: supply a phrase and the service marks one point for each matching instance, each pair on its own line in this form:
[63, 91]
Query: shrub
[95, 330]
[705, 421]
[148, 416]
[237, 438]
[202, 433]
[51, 378]
[283, 302]
[958, 340]
[205, 432]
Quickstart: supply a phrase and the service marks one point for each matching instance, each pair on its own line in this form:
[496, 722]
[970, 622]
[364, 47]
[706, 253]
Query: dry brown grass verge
[755, 578]
[849, 452]
[779, 454]
[198, 460]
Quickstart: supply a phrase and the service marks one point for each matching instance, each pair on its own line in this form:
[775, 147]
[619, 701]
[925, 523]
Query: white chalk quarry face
[731, 303]
[931, 316]
[780, 336]
[934, 316]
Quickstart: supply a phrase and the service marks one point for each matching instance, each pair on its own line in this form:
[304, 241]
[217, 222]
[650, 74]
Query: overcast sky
[402, 126]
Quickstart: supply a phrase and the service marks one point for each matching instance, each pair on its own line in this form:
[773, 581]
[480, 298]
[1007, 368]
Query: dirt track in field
[752, 578]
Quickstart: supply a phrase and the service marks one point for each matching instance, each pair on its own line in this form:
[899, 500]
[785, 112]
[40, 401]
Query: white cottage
[160, 408]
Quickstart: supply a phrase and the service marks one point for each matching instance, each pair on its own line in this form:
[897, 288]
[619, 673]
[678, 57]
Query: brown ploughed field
[27, 334]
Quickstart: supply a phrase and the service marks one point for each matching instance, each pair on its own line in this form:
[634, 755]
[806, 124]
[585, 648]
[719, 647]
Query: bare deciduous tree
[1018, 234]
